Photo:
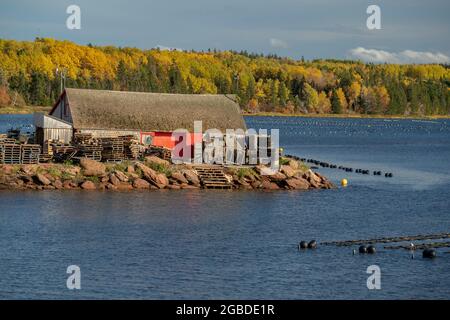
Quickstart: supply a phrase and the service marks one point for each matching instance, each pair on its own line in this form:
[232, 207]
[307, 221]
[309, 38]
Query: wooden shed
[51, 128]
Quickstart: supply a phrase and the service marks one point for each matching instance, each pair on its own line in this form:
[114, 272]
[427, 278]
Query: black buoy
[303, 245]
[362, 249]
[429, 253]
[371, 249]
[312, 244]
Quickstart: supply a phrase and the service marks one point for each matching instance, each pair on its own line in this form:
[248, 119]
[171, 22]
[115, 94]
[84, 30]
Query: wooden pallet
[113, 149]
[43, 158]
[160, 152]
[30, 153]
[12, 153]
[83, 138]
[213, 177]
[6, 140]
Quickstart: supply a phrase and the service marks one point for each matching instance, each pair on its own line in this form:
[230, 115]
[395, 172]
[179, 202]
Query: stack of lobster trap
[30, 153]
[13, 152]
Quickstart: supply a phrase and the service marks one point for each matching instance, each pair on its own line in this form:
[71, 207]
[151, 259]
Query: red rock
[123, 186]
[42, 179]
[297, 184]
[256, 184]
[67, 184]
[191, 176]
[141, 184]
[178, 176]
[121, 176]
[88, 185]
[58, 184]
[269, 185]
[277, 176]
[92, 167]
[155, 159]
[113, 179]
[288, 171]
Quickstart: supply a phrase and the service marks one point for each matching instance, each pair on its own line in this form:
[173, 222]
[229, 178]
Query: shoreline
[23, 110]
[156, 174]
[346, 116]
[31, 109]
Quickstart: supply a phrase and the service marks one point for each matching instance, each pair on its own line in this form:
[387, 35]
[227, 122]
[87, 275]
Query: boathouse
[150, 117]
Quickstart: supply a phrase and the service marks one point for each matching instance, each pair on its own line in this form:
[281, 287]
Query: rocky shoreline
[153, 174]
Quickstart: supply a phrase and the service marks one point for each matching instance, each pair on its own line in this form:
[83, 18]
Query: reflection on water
[228, 244]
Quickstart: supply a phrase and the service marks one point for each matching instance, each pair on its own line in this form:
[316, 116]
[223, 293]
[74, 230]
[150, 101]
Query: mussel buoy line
[324, 164]
[371, 249]
[312, 244]
[303, 245]
[429, 253]
[362, 249]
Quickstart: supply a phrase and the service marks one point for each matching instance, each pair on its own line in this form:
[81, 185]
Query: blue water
[243, 244]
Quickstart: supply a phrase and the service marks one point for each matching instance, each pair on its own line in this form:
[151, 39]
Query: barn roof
[103, 109]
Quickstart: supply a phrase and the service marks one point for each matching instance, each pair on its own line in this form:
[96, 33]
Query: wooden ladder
[213, 177]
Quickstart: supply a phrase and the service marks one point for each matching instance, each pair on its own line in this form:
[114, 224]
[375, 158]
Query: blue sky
[412, 30]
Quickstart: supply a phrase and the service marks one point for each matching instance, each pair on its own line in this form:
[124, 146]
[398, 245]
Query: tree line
[262, 83]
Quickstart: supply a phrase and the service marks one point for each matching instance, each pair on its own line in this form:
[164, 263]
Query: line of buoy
[421, 246]
[388, 239]
[323, 164]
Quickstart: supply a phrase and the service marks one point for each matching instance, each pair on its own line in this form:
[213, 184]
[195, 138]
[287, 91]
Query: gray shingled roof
[103, 109]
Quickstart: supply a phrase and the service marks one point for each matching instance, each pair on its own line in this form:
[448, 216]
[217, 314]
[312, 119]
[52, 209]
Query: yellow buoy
[344, 182]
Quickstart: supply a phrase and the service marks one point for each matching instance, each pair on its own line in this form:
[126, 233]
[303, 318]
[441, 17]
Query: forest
[30, 74]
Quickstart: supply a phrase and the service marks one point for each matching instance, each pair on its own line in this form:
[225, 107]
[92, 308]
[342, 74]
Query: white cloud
[406, 56]
[166, 48]
[277, 43]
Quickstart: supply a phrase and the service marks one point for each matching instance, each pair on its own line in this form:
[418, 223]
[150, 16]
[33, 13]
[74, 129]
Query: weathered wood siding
[62, 110]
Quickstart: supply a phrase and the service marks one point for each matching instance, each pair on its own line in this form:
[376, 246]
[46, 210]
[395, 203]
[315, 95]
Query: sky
[412, 31]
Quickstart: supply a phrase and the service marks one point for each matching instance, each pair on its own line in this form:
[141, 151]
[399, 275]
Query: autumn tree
[311, 98]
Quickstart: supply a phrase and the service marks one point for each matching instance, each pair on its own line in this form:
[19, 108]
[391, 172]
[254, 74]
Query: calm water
[221, 244]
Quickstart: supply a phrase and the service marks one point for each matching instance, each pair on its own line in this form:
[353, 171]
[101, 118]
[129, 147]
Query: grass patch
[122, 166]
[68, 163]
[54, 172]
[79, 178]
[66, 176]
[160, 168]
[284, 161]
[93, 179]
[245, 172]
[303, 167]
[15, 169]
[139, 172]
